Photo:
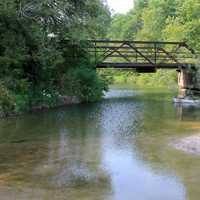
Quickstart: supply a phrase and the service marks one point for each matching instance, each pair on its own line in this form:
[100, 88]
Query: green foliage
[7, 103]
[185, 23]
[22, 103]
[162, 78]
[85, 84]
[35, 52]
[164, 20]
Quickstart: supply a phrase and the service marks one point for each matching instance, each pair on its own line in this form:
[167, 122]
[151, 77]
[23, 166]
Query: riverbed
[116, 149]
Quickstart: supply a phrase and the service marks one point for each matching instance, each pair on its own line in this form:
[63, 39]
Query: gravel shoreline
[190, 144]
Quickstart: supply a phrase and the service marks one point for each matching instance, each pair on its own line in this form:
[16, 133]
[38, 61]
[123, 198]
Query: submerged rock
[190, 144]
[19, 141]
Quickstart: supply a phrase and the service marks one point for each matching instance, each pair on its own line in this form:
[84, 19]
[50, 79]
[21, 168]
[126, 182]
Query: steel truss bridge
[143, 56]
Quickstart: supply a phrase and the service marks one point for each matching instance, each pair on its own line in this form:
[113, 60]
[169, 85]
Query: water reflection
[187, 112]
[113, 150]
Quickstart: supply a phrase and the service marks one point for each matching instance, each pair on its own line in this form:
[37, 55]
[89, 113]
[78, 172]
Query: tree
[33, 62]
[168, 20]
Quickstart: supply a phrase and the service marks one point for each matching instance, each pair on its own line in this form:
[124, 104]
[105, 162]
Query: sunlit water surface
[117, 149]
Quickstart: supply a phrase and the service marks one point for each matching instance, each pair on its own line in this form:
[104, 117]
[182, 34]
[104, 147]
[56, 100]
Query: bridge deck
[139, 65]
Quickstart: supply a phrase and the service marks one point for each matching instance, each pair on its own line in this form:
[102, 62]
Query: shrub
[7, 102]
[85, 84]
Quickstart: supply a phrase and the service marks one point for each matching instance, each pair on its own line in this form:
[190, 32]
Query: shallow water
[117, 149]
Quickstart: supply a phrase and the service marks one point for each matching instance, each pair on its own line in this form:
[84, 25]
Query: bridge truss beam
[141, 55]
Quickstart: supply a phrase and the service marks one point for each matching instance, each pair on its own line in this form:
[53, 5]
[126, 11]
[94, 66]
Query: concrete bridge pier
[189, 85]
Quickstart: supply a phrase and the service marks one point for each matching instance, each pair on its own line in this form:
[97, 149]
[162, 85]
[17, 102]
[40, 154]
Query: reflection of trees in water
[79, 148]
[124, 121]
[162, 122]
[188, 112]
[156, 153]
[157, 116]
[61, 151]
[66, 147]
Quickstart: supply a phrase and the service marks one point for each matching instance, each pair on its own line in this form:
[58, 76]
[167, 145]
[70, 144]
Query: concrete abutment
[189, 84]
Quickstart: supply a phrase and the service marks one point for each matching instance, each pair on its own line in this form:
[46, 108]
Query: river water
[117, 149]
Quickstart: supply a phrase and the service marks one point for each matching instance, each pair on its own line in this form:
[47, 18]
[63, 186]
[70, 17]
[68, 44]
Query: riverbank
[145, 93]
[61, 102]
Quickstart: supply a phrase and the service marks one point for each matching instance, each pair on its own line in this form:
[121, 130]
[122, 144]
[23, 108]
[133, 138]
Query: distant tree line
[159, 20]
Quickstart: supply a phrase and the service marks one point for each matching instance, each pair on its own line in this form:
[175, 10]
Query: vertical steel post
[95, 52]
[155, 53]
